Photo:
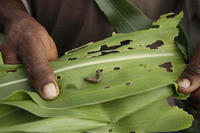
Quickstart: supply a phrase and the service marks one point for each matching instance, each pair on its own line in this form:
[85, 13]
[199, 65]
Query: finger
[195, 96]
[189, 80]
[9, 57]
[38, 70]
[52, 54]
[194, 99]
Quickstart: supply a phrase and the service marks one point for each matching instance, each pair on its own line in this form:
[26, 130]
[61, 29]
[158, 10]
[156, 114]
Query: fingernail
[50, 91]
[184, 83]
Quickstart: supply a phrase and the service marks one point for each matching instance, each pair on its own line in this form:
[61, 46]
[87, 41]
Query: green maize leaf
[137, 78]
[173, 118]
[26, 122]
[123, 16]
[100, 111]
[141, 61]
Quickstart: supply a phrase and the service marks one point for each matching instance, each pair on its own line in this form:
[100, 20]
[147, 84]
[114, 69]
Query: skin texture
[27, 42]
[192, 74]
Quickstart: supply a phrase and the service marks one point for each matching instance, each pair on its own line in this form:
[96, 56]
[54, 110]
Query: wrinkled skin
[192, 73]
[27, 42]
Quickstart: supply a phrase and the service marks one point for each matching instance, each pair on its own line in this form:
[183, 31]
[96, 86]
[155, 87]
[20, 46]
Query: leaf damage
[156, 44]
[168, 66]
[105, 47]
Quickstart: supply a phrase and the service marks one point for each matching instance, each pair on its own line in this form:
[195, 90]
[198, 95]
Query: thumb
[39, 72]
[189, 80]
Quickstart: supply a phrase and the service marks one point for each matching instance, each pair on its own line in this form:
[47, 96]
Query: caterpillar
[95, 80]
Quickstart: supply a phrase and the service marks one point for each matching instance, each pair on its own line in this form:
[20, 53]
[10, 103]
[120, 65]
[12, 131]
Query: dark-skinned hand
[189, 81]
[27, 42]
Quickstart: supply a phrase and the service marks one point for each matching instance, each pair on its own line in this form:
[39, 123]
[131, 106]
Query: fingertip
[184, 85]
[50, 91]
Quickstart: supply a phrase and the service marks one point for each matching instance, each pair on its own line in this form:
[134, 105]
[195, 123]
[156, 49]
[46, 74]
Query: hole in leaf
[105, 47]
[155, 45]
[110, 52]
[110, 130]
[168, 66]
[72, 58]
[58, 77]
[130, 48]
[14, 70]
[125, 42]
[128, 83]
[92, 52]
[116, 68]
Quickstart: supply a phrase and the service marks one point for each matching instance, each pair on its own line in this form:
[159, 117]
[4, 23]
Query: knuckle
[192, 70]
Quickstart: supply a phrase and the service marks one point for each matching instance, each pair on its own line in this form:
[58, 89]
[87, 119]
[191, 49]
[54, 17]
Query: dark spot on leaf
[130, 48]
[116, 68]
[110, 130]
[107, 87]
[128, 83]
[155, 45]
[155, 26]
[140, 45]
[72, 58]
[125, 42]
[110, 52]
[168, 66]
[149, 70]
[14, 70]
[171, 16]
[58, 77]
[105, 47]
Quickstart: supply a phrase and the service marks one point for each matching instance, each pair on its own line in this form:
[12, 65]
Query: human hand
[189, 81]
[27, 42]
